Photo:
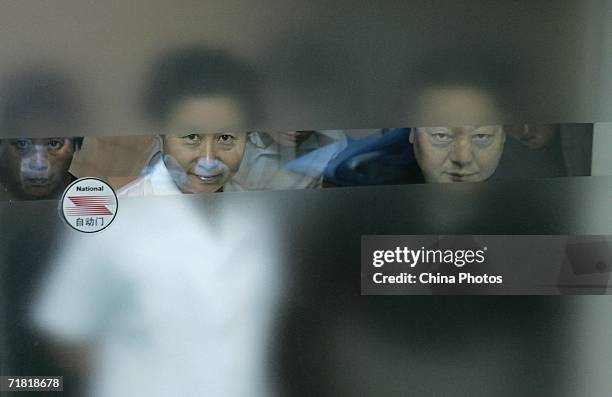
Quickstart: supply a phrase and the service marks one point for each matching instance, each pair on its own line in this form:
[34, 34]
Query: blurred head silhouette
[461, 105]
[39, 109]
[201, 97]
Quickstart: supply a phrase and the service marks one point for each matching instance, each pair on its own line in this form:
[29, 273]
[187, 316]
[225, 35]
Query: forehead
[457, 105]
[208, 113]
[39, 141]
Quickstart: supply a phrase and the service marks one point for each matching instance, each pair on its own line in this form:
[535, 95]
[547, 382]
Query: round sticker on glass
[89, 205]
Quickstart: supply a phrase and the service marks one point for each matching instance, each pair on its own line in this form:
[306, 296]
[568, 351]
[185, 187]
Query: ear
[411, 136]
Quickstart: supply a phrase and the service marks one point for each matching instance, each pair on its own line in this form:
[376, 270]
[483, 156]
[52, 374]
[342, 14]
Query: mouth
[210, 178]
[37, 181]
[458, 176]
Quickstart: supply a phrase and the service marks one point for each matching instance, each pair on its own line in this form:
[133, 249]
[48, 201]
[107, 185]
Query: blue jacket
[376, 160]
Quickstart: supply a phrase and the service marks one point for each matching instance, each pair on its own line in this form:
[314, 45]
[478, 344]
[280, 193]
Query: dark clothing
[520, 162]
[569, 154]
[376, 160]
[25, 250]
[6, 196]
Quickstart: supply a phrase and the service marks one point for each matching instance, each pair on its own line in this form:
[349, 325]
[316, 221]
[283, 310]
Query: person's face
[200, 161]
[36, 168]
[291, 138]
[458, 154]
[534, 136]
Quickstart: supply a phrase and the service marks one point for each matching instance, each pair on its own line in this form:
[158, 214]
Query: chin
[36, 194]
[437, 179]
[204, 189]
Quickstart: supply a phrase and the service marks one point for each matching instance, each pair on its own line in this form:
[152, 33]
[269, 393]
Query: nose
[461, 152]
[208, 162]
[207, 150]
[38, 161]
[207, 165]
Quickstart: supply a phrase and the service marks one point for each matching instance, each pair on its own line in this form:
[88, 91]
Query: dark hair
[34, 96]
[200, 71]
[478, 67]
[39, 95]
[77, 143]
[493, 72]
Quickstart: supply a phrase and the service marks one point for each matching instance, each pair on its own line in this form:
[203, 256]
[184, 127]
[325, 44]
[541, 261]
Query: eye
[226, 138]
[441, 136]
[56, 144]
[482, 138]
[192, 138]
[22, 143]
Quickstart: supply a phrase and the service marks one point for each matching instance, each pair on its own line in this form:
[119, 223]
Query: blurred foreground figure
[199, 97]
[176, 298]
[40, 109]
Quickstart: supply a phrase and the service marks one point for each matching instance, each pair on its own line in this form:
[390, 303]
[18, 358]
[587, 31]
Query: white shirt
[176, 298]
[264, 166]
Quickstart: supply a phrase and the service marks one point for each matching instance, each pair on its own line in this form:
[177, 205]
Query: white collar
[161, 180]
